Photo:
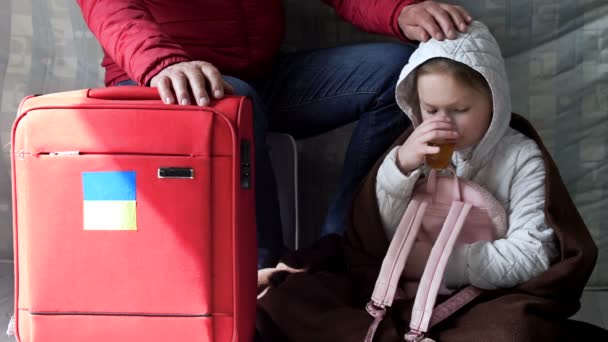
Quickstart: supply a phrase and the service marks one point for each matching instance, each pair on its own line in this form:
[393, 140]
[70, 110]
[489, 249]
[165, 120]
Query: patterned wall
[557, 58]
[44, 47]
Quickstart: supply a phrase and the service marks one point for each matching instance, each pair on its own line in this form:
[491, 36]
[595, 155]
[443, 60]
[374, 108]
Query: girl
[457, 91]
[453, 91]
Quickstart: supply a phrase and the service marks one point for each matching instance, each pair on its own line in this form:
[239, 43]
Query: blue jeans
[311, 92]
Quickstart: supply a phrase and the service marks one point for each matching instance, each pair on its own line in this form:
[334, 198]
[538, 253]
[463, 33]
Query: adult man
[198, 50]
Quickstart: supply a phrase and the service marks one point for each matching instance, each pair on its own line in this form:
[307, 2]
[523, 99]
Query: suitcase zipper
[79, 153]
[245, 164]
[84, 313]
[64, 153]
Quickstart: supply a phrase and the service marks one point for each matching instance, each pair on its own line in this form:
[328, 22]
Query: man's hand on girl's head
[431, 19]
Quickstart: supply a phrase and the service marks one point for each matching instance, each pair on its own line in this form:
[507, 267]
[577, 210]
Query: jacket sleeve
[530, 245]
[377, 16]
[393, 192]
[131, 37]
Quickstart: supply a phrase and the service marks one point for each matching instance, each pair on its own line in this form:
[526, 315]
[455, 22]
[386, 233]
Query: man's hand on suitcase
[182, 82]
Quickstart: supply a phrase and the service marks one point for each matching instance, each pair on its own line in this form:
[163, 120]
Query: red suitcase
[133, 220]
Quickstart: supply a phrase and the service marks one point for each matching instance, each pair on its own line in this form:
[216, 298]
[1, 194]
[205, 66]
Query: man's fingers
[178, 83]
[460, 17]
[215, 80]
[416, 33]
[464, 13]
[443, 18]
[197, 84]
[438, 20]
[163, 85]
[180, 87]
[427, 22]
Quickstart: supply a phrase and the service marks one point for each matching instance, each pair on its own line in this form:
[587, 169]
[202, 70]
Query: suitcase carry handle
[127, 93]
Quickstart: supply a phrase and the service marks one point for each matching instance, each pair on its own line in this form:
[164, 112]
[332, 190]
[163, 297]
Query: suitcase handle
[127, 93]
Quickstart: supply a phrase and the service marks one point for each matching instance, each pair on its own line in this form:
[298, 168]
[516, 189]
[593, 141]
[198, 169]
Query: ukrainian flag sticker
[109, 200]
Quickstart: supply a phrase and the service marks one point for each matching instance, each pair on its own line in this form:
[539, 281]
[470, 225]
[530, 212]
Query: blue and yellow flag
[109, 200]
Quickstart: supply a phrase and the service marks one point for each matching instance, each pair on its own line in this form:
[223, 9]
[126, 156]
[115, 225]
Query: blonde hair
[461, 73]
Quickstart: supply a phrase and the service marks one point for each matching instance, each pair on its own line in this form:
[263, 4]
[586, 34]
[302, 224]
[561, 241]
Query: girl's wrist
[404, 167]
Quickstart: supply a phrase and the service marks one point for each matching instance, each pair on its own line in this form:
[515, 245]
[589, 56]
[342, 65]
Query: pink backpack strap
[434, 270]
[393, 264]
[423, 314]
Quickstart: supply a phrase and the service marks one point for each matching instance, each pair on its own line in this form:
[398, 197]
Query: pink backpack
[445, 211]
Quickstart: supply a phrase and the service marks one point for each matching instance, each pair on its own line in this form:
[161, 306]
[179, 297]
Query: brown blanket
[327, 302]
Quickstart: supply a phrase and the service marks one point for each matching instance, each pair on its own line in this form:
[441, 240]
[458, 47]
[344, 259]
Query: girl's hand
[410, 155]
[268, 276]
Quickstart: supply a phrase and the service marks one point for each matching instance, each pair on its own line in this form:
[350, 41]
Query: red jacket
[240, 37]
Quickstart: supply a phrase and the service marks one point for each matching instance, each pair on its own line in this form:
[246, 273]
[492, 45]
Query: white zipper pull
[64, 153]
